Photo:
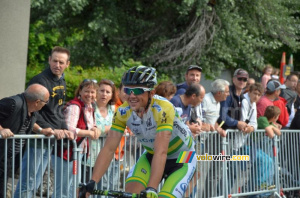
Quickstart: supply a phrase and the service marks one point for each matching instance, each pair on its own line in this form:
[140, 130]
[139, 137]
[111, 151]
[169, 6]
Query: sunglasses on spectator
[109, 81]
[136, 91]
[242, 79]
[90, 80]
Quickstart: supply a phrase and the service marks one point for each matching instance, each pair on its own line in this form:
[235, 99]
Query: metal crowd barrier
[15, 166]
[259, 175]
[273, 166]
[289, 161]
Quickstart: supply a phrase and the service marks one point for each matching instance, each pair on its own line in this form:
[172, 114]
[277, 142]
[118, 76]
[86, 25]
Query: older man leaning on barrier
[17, 116]
[210, 143]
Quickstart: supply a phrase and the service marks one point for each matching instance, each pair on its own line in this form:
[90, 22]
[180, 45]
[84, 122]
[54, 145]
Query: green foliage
[101, 33]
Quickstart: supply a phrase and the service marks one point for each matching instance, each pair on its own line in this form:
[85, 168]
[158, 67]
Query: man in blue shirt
[183, 103]
[230, 111]
[192, 75]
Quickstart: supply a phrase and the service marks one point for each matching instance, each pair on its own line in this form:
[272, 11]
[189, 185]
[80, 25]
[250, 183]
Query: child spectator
[264, 162]
[268, 121]
[249, 113]
[267, 71]
[275, 74]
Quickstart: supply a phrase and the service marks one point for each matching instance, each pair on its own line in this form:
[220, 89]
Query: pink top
[262, 104]
[72, 113]
[264, 80]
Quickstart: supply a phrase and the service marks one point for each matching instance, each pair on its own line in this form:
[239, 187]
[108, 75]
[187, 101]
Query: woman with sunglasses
[158, 128]
[104, 111]
[79, 115]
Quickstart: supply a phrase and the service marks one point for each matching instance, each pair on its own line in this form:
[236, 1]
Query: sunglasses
[107, 81]
[90, 80]
[242, 79]
[136, 91]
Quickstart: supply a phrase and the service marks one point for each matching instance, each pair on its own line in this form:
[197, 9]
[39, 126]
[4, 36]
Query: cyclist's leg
[138, 176]
[177, 182]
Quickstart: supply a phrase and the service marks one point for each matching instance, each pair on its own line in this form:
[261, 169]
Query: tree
[217, 35]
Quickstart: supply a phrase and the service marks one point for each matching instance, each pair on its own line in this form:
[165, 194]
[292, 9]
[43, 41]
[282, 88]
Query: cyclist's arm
[161, 144]
[106, 154]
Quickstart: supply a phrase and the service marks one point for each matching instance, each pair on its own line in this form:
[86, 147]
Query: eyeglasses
[90, 80]
[136, 90]
[46, 102]
[242, 79]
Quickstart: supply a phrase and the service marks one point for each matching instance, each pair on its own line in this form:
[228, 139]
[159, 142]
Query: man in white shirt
[210, 115]
[211, 104]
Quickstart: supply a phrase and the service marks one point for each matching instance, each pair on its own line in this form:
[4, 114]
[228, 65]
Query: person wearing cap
[230, 112]
[192, 75]
[272, 93]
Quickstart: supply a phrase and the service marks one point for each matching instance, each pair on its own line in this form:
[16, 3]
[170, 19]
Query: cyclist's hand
[86, 189]
[149, 193]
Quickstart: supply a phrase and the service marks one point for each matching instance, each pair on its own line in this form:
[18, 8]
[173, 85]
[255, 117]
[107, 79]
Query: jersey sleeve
[120, 117]
[164, 114]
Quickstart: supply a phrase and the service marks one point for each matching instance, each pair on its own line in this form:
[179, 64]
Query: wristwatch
[40, 130]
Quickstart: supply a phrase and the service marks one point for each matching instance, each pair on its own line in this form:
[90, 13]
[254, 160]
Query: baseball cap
[274, 85]
[194, 67]
[239, 73]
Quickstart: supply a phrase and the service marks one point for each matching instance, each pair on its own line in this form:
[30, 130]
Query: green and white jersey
[160, 117]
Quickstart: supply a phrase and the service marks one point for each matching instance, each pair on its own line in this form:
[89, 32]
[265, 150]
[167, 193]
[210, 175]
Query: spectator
[297, 103]
[263, 163]
[267, 72]
[290, 95]
[250, 82]
[50, 117]
[268, 121]
[249, 113]
[211, 113]
[17, 116]
[165, 89]
[192, 75]
[105, 109]
[79, 115]
[230, 111]
[183, 103]
[272, 93]
[211, 104]
[275, 74]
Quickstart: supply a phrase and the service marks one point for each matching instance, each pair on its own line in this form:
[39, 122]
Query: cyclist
[157, 126]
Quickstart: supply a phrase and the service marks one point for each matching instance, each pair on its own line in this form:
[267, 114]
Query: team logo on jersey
[183, 187]
[157, 107]
[123, 110]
